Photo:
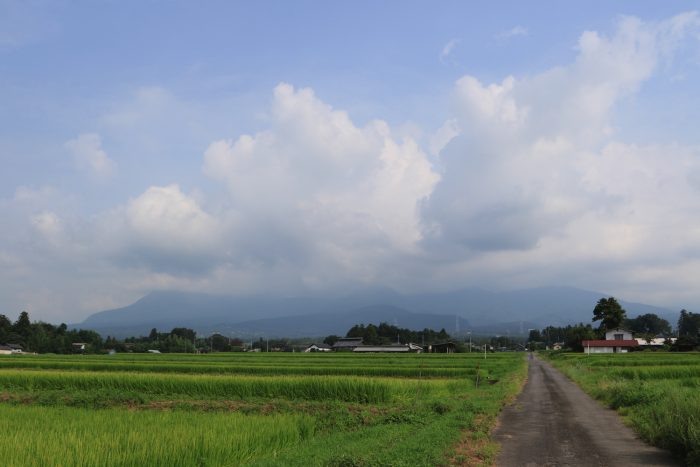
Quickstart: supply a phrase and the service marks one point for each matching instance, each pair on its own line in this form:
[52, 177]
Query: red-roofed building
[616, 341]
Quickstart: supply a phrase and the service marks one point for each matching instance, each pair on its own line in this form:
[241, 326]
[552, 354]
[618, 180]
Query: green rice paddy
[254, 409]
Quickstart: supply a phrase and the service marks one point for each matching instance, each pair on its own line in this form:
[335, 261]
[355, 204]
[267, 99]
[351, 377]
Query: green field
[657, 392]
[254, 409]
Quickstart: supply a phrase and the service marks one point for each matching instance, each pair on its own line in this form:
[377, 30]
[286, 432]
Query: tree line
[44, 337]
[386, 334]
[41, 337]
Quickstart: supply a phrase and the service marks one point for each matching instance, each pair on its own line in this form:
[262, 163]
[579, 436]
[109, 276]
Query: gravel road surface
[554, 423]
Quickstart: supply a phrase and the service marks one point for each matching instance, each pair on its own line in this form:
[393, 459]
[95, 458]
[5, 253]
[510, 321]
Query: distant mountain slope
[322, 324]
[309, 316]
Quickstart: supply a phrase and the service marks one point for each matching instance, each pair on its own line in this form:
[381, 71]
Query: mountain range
[472, 309]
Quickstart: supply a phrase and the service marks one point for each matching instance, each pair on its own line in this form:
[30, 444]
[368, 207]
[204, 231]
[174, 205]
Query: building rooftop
[382, 348]
[610, 343]
[347, 342]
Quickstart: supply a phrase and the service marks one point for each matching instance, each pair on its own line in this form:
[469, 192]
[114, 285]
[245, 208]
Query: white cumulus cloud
[536, 189]
[315, 182]
[89, 156]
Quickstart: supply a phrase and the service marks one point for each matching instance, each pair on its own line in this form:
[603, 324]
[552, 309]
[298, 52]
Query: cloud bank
[525, 184]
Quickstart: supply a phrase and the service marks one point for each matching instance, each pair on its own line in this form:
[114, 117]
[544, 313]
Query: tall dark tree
[5, 323]
[5, 328]
[575, 335]
[610, 314]
[23, 325]
[184, 333]
[649, 324]
[688, 324]
[330, 340]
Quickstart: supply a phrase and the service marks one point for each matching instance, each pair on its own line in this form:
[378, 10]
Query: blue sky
[402, 144]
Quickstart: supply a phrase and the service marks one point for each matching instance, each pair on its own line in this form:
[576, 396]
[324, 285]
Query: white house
[616, 341]
[618, 335]
[5, 350]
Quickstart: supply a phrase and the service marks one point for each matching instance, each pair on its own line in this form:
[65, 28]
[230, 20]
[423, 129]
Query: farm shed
[16, 348]
[318, 348]
[5, 350]
[396, 348]
[347, 344]
[444, 347]
[655, 343]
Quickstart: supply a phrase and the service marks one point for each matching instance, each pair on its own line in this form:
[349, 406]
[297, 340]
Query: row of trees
[385, 334]
[182, 340]
[44, 337]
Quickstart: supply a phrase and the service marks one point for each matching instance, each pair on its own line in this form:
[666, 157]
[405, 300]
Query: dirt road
[554, 423]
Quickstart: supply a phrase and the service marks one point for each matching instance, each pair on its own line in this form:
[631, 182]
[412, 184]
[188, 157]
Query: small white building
[5, 350]
[616, 341]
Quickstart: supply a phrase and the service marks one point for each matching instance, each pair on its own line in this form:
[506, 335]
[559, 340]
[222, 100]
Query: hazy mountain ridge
[321, 324]
[478, 309]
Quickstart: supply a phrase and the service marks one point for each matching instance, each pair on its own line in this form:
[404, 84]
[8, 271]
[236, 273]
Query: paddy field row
[250, 409]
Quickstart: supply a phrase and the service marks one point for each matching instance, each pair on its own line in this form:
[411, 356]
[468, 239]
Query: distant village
[615, 334]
